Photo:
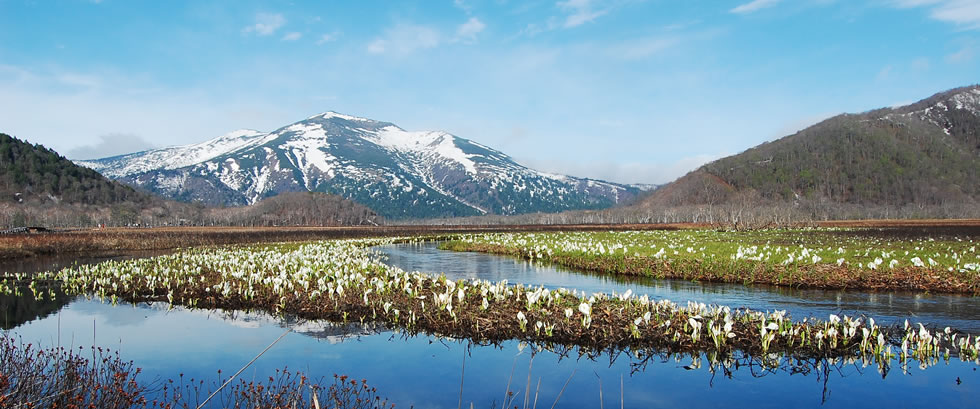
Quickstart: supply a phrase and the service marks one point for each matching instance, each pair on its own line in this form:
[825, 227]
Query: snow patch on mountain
[174, 157]
[969, 101]
[938, 113]
[332, 114]
[307, 150]
[420, 142]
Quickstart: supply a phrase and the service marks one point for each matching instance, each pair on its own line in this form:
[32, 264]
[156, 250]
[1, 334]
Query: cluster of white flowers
[822, 246]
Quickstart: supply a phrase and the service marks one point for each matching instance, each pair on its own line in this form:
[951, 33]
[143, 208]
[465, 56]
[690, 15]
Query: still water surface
[424, 371]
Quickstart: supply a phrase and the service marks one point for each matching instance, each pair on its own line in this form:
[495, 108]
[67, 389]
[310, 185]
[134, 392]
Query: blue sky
[625, 90]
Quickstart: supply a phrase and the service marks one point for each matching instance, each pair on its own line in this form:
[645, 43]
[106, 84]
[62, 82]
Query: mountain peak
[239, 133]
[334, 114]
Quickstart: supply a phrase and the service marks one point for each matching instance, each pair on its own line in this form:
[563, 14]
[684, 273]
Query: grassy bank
[344, 281]
[817, 258]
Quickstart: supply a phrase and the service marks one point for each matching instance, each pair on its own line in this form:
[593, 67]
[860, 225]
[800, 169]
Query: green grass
[810, 257]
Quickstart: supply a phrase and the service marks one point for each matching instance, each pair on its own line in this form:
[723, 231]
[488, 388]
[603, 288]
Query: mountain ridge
[397, 173]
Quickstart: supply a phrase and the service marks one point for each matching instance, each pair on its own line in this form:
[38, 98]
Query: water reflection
[20, 310]
[962, 312]
[59, 261]
[425, 371]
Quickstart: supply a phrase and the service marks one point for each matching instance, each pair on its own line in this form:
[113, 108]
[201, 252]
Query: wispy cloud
[623, 171]
[403, 39]
[468, 31]
[643, 47]
[965, 54]
[266, 24]
[292, 36]
[753, 6]
[78, 81]
[884, 74]
[111, 144]
[104, 111]
[463, 5]
[580, 12]
[965, 13]
[326, 38]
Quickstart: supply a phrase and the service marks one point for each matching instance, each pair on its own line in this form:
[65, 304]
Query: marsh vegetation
[347, 281]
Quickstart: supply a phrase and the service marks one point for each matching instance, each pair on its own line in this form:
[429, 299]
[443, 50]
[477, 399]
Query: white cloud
[623, 172]
[93, 114]
[78, 81]
[326, 38]
[884, 74]
[377, 46]
[467, 31]
[754, 5]
[580, 12]
[915, 3]
[111, 144]
[462, 5]
[920, 64]
[964, 13]
[292, 36]
[266, 24]
[965, 54]
[404, 39]
[643, 48]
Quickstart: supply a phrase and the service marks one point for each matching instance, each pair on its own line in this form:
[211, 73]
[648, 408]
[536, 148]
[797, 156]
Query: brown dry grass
[900, 223]
[114, 240]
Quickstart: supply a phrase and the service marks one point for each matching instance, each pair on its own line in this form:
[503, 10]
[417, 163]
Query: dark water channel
[424, 371]
[60, 261]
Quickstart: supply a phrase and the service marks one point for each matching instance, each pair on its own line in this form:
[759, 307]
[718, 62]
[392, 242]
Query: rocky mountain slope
[397, 173]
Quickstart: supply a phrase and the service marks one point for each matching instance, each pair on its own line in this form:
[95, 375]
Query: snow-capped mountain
[395, 172]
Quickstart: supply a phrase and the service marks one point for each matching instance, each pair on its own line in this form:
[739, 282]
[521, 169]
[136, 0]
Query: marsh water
[956, 311]
[425, 371]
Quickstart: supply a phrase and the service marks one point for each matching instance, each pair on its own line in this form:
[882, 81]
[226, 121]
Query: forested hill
[927, 153]
[33, 173]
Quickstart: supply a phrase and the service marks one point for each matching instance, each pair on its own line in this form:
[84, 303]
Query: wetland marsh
[407, 333]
